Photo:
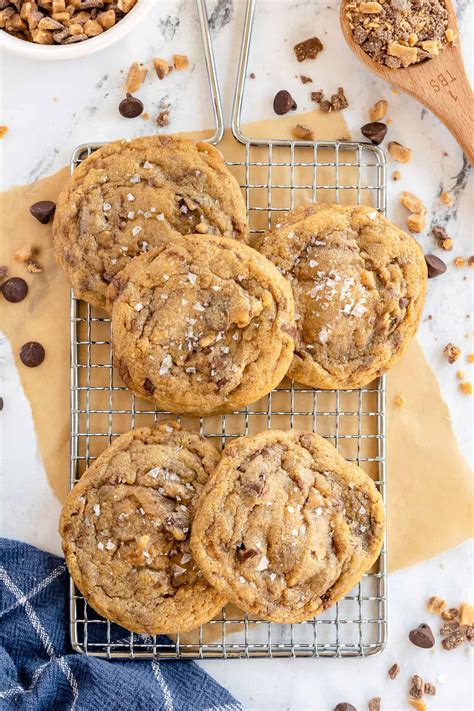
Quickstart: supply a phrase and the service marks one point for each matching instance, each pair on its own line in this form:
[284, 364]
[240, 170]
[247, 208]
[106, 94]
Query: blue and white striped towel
[39, 671]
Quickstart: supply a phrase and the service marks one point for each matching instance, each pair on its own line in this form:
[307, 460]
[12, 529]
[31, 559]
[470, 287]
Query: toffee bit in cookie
[308, 49]
[303, 132]
[305, 80]
[412, 202]
[398, 33]
[375, 132]
[283, 102]
[43, 210]
[130, 107]
[394, 671]
[163, 119]
[162, 68]
[451, 352]
[416, 687]
[375, 704]
[436, 604]
[465, 388]
[398, 152]
[435, 266]
[180, 61]
[378, 111]
[136, 77]
[422, 636]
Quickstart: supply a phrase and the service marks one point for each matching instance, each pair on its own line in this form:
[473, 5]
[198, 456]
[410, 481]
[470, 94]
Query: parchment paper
[429, 482]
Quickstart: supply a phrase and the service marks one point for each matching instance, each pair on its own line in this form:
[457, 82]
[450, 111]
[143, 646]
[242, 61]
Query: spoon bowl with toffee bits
[431, 70]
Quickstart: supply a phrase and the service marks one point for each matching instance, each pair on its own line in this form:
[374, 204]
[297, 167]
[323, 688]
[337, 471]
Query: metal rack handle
[242, 72]
[211, 73]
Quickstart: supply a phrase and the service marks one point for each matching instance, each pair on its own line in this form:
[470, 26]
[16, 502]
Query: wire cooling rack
[275, 176]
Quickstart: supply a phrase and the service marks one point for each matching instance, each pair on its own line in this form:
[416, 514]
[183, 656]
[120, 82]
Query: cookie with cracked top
[125, 531]
[130, 196]
[359, 285]
[202, 326]
[285, 526]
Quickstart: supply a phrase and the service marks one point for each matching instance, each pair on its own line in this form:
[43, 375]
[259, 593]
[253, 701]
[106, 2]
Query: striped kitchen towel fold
[39, 671]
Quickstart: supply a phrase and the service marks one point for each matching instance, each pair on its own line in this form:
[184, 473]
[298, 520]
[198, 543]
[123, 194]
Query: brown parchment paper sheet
[429, 482]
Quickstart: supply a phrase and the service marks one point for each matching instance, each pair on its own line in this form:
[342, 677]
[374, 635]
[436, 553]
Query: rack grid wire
[275, 177]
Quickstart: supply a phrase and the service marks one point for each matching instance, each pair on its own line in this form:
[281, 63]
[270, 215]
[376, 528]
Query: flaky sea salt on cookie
[203, 326]
[125, 531]
[359, 285]
[285, 526]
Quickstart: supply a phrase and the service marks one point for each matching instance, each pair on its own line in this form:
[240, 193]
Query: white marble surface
[51, 108]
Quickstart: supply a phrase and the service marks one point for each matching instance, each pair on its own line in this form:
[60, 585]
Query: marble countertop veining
[50, 108]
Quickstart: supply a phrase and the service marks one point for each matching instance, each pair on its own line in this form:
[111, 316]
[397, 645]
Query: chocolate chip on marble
[32, 354]
[14, 289]
[1, 404]
[422, 636]
[43, 211]
[130, 107]
[345, 706]
[283, 102]
[375, 131]
[435, 265]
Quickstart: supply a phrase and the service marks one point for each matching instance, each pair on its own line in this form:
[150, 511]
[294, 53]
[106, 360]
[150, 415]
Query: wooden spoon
[440, 83]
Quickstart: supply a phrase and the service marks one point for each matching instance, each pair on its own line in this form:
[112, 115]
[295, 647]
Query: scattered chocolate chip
[325, 106]
[422, 636]
[429, 689]
[1, 404]
[394, 671]
[43, 211]
[317, 96]
[339, 100]
[32, 354]
[15, 289]
[375, 704]
[375, 131]
[130, 107]
[453, 640]
[305, 80]
[345, 706]
[448, 628]
[283, 102]
[435, 265]
[251, 75]
[308, 49]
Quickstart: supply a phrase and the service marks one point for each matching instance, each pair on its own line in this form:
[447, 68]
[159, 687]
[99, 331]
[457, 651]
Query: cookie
[203, 326]
[125, 531]
[131, 196]
[285, 526]
[359, 285]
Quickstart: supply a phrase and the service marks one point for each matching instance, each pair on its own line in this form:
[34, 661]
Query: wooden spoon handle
[444, 89]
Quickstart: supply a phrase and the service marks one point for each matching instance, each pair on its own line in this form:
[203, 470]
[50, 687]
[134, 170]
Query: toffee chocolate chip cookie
[125, 531]
[359, 285]
[203, 326]
[131, 196]
[285, 526]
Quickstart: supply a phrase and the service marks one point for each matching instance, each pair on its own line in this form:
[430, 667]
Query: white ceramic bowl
[35, 51]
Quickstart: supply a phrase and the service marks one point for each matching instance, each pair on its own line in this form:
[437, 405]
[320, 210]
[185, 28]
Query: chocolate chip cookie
[131, 196]
[125, 531]
[285, 526]
[359, 285]
[202, 326]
